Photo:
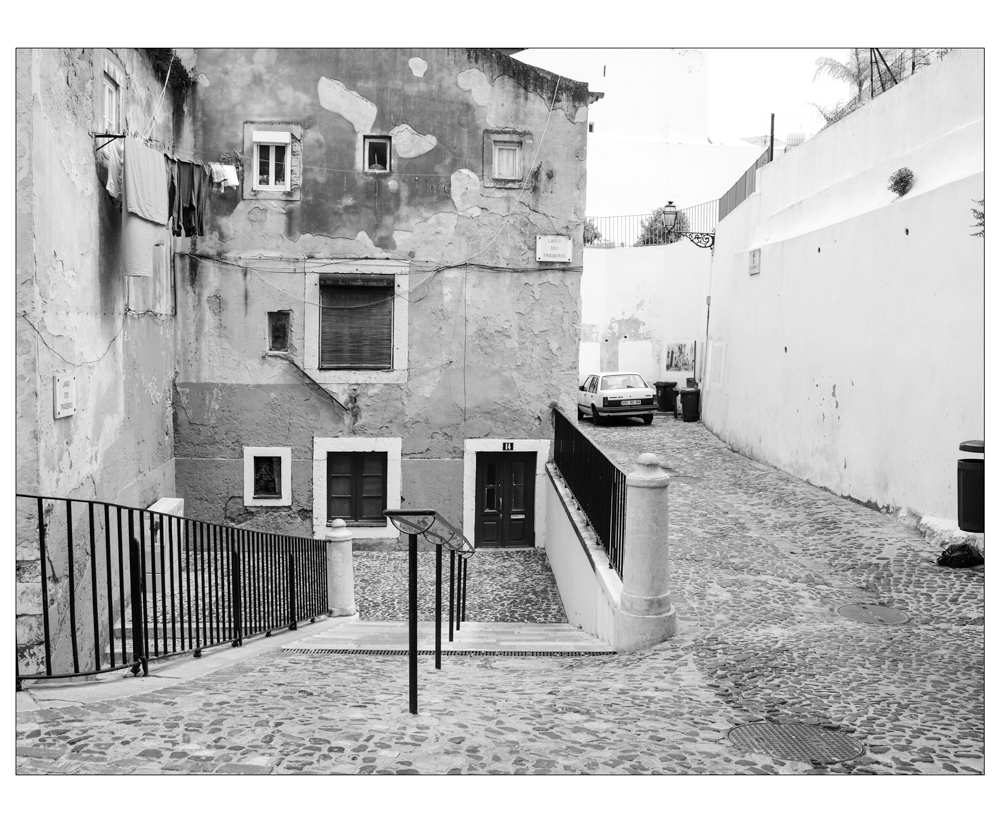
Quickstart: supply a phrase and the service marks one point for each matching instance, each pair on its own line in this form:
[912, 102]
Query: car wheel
[598, 420]
[647, 419]
[579, 413]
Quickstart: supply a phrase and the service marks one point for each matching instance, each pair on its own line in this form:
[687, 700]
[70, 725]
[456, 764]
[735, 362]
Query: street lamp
[701, 239]
[438, 531]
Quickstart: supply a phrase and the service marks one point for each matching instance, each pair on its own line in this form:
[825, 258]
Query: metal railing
[743, 187]
[646, 229]
[115, 586]
[597, 484]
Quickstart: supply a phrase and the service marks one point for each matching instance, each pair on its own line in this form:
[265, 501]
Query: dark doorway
[505, 499]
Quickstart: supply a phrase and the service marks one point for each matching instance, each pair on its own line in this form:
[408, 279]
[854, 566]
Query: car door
[584, 397]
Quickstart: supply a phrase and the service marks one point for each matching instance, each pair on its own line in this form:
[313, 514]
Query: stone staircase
[353, 636]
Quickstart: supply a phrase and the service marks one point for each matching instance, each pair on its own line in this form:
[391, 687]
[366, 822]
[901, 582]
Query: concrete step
[350, 634]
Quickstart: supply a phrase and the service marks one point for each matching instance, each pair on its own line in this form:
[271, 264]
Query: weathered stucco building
[366, 318]
[83, 327]
[361, 314]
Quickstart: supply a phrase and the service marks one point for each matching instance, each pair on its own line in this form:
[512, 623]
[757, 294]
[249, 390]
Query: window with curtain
[507, 160]
[356, 322]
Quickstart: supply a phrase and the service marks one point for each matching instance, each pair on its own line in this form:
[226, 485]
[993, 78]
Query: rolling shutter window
[356, 323]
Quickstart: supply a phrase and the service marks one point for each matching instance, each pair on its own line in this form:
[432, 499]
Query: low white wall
[855, 359]
[640, 305]
[590, 590]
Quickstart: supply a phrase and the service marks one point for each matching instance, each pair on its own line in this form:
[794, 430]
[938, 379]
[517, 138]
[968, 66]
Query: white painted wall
[855, 359]
[590, 591]
[657, 293]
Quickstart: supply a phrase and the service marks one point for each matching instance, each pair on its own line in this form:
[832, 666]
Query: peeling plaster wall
[856, 357]
[642, 308]
[487, 350]
[118, 446]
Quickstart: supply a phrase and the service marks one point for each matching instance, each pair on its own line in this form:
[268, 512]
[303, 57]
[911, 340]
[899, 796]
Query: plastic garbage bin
[690, 402]
[972, 487]
[665, 394]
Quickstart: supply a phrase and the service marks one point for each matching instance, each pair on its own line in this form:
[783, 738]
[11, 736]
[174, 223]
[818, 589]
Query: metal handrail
[597, 484]
[171, 584]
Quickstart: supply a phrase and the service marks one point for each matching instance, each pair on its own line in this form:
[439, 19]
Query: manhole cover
[867, 613]
[796, 741]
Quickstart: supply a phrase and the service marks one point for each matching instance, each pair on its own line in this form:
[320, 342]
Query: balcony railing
[647, 229]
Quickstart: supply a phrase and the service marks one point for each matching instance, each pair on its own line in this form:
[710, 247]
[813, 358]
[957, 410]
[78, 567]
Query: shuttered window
[356, 322]
[356, 486]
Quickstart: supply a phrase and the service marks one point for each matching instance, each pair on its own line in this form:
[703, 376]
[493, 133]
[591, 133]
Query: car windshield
[622, 381]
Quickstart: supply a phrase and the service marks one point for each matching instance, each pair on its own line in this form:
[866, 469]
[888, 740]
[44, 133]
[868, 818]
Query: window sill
[360, 524]
[338, 378]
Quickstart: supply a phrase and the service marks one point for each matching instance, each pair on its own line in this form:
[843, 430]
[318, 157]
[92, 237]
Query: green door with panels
[505, 499]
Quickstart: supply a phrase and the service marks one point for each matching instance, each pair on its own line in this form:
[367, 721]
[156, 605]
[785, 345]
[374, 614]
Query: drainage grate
[868, 613]
[796, 741]
[449, 653]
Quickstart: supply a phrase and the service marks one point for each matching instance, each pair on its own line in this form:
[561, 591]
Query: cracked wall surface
[490, 346]
[72, 300]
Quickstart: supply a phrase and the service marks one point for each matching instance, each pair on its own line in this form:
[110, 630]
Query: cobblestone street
[761, 562]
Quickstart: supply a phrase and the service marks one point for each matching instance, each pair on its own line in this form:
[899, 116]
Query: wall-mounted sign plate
[553, 248]
[63, 395]
[754, 261]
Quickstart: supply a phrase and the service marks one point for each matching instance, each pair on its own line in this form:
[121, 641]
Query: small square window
[507, 159]
[378, 154]
[278, 323]
[506, 154]
[266, 476]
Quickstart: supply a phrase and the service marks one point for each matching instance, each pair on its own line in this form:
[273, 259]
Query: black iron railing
[627, 230]
[106, 587]
[597, 484]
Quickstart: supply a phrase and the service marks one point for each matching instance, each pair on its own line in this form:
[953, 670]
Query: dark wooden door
[505, 499]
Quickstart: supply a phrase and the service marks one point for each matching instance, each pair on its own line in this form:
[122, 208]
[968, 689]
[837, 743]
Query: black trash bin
[972, 488]
[690, 401]
[665, 395]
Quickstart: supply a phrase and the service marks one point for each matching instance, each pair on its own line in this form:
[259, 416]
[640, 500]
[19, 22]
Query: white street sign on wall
[63, 395]
[553, 248]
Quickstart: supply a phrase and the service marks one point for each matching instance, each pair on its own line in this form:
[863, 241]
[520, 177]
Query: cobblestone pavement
[760, 564]
[503, 586]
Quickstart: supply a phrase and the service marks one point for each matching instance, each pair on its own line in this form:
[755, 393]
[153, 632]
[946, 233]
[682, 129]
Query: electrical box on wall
[63, 395]
[553, 248]
[754, 261]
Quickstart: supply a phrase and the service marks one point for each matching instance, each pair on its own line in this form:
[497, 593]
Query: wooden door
[505, 499]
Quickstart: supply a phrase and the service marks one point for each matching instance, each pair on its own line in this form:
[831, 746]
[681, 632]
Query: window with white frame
[356, 479]
[355, 323]
[271, 161]
[267, 476]
[109, 88]
[274, 160]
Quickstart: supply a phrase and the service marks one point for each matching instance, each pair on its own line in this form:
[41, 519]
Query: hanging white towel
[231, 178]
[145, 181]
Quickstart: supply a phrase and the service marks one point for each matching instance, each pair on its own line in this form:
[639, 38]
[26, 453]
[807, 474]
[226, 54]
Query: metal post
[465, 585]
[237, 598]
[413, 624]
[437, 609]
[458, 596]
[451, 598]
[770, 152]
[136, 597]
[291, 591]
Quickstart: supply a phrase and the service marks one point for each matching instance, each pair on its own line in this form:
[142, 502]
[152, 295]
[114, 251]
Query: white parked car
[615, 394]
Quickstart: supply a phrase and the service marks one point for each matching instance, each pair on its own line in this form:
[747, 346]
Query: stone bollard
[340, 571]
[647, 614]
